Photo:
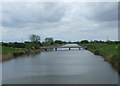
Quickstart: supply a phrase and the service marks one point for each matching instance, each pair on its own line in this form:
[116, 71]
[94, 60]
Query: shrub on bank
[96, 52]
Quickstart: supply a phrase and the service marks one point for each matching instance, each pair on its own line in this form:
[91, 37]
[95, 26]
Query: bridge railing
[65, 47]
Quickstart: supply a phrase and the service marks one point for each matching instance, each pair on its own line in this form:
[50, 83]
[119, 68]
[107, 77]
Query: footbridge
[69, 47]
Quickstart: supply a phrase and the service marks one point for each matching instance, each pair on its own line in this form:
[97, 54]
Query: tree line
[36, 44]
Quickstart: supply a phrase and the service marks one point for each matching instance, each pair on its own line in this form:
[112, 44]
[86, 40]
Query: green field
[0, 49]
[6, 50]
[104, 49]
[108, 51]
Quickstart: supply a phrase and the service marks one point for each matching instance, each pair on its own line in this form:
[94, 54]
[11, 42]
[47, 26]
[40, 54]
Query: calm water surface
[59, 67]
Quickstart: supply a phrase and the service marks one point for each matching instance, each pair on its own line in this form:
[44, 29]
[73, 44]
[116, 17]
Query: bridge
[69, 47]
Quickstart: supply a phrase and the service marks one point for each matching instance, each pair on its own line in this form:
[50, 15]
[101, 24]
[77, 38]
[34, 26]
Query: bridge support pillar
[45, 49]
[69, 48]
[55, 49]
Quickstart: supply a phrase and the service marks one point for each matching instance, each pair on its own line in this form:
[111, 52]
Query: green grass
[103, 48]
[6, 50]
[0, 49]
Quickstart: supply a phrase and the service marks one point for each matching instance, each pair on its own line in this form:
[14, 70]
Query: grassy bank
[6, 50]
[108, 51]
[15, 47]
[0, 50]
[11, 50]
[10, 53]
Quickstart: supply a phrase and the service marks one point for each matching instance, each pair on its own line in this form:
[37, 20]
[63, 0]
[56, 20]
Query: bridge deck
[62, 47]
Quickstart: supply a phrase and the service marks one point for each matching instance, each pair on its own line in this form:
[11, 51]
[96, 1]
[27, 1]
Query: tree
[35, 38]
[64, 42]
[109, 42]
[58, 41]
[49, 39]
[84, 41]
[69, 42]
[77, 42]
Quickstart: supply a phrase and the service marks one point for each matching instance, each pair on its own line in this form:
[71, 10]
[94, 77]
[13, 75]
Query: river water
[59, 67]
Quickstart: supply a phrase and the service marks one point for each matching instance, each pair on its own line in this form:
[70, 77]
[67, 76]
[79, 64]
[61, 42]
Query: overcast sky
[66, 21]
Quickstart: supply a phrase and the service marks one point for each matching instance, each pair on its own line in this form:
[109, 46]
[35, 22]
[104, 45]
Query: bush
[96, 52]
[4, 44]
[84, 41]
[58, 41]
[19, 45]
[114, 59]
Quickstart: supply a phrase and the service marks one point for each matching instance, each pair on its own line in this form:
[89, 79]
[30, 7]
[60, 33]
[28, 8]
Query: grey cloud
[20, 17]
[105, 12]
[67, 21]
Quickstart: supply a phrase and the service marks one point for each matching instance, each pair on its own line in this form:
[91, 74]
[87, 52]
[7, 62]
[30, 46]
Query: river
[59, 67]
